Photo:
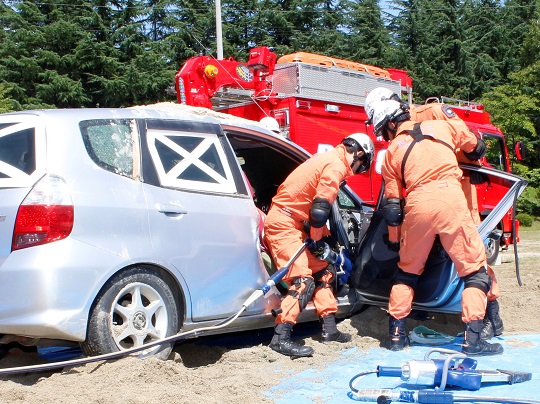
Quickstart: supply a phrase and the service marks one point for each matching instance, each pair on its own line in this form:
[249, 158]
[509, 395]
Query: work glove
[392, 246]
[331, 241]
[477, 178]
[318, 248]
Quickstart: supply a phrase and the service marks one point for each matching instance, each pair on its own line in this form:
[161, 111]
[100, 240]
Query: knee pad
[318, 277]
[393, 212]
[305, 296]
[479, 279]
[405, 278]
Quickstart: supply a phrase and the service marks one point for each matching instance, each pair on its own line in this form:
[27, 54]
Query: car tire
[492, 250]
[4, 350]
[135, 307]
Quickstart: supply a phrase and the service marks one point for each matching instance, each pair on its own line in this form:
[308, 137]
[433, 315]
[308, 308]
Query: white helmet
[361, 142]
[384, 112]
[376, 95]
[270, 123]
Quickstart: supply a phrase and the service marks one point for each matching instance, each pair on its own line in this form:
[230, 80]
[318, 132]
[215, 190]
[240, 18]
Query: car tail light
[45, 215]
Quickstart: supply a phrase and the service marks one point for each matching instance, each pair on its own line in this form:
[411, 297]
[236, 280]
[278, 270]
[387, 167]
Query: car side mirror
[519, 149]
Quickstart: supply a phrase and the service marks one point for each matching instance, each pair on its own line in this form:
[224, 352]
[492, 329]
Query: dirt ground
[217, 374]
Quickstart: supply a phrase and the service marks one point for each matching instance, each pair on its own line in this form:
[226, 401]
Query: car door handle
[170, 209]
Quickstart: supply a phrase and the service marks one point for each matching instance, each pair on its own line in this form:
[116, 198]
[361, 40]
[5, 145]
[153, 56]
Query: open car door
[439, 288]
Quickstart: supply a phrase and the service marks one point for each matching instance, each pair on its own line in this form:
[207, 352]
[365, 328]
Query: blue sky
[384, 5]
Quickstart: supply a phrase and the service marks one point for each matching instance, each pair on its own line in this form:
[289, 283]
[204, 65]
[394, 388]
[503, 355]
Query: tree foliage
[84, 53]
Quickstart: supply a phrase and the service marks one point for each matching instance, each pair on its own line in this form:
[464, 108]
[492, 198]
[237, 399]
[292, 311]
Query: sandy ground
[217, 374]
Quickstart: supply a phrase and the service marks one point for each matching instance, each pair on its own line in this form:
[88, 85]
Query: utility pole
[219, 39]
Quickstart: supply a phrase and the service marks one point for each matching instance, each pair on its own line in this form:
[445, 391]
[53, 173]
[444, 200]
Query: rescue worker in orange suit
[493, 324]
[421, 159]
[306, 196]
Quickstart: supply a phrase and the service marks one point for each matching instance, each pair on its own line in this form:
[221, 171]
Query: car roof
[164, 110]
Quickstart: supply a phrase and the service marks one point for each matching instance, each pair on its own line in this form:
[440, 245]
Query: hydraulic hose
[119, 354]
[514, 239]
[359, 376]
[260, 292]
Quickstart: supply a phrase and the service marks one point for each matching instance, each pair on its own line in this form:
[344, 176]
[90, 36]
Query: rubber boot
[398, 337]
[330, 332]
[282, 343]
[493, 324]
[474, 345]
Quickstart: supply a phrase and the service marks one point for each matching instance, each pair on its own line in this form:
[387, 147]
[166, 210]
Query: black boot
[493, 324]
[282, 343]
[398, 337]
[474, 345]
[330, 331]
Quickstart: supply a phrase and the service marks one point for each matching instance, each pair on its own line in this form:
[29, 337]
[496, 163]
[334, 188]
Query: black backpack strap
[416, 132]
[418, 136]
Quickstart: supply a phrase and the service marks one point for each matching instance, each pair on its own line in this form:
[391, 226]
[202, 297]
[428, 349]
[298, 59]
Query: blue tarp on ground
[331, 384]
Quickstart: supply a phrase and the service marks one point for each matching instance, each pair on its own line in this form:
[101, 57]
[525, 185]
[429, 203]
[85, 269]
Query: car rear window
[110, 144]
[17, 151]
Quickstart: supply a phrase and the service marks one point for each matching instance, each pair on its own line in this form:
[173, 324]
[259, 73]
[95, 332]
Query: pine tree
[6, 104]
[275, 26]
[368, 39]
[427, 45]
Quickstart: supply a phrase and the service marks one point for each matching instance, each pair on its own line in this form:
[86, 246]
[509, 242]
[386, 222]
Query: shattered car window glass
[17, 151]
[110, 144]
[344, 201]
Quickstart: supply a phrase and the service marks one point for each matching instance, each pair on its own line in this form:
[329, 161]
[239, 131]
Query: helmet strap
[355, 159]
[393, 131]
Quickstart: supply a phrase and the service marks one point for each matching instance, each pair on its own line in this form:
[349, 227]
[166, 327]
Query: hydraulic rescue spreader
[455, 370]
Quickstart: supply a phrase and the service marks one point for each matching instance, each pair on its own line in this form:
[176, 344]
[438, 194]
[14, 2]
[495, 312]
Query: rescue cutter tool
[340, 260]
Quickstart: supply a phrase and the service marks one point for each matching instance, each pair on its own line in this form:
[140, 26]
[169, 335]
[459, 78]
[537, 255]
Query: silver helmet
[376, 95]
[361, 142]
[385, 112]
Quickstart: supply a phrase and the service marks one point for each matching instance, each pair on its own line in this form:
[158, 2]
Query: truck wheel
[133, 308]
[492, 250]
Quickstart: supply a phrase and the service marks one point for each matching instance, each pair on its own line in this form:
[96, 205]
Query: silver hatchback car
[120, 227]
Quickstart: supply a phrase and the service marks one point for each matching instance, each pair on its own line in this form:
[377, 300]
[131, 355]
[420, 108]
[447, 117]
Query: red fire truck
[318, 100]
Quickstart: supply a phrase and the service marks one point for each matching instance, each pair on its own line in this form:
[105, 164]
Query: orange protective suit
[436, 111]
[435, 205]
[318, 177]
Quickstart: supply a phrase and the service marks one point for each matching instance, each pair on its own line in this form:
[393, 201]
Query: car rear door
[202, 219]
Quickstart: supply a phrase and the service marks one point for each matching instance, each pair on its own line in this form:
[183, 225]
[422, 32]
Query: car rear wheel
[134, 307]
[492, 250]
